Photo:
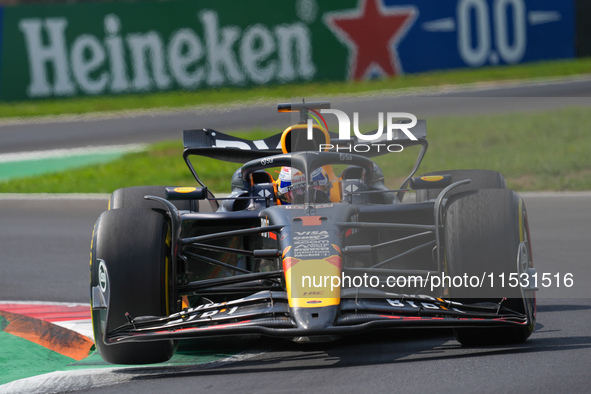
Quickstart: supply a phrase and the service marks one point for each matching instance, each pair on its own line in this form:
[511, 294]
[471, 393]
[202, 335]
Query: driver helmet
[319, 181]
[291, 184]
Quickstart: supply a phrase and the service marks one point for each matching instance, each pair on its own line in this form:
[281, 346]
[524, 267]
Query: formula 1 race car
[311, 245]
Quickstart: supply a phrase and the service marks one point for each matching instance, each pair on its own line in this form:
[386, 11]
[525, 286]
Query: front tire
[483, 233]
[130, 266]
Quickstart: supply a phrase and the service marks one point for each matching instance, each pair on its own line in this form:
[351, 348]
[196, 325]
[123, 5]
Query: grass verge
[535, 151]
[83, 105]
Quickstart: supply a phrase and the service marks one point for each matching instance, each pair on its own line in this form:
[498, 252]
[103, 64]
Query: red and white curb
[73, 316]
[77, 317]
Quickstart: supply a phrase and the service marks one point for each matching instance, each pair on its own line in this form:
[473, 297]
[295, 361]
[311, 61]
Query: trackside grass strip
[208, 97]
[535, 151]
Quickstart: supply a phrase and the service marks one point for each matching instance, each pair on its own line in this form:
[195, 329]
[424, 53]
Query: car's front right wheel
[130, 273]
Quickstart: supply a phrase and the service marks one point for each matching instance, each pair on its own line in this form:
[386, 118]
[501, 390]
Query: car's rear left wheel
[133, 197]
[480, 179]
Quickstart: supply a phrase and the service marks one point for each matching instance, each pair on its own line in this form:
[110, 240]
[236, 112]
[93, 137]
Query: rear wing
[217, 145]
[379, 146]
[305, 136]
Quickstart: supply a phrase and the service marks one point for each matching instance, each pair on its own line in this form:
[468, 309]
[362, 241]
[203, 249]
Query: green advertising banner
[112, 48]
[66, 50]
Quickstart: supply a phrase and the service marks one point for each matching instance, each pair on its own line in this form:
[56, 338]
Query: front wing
[267, 313]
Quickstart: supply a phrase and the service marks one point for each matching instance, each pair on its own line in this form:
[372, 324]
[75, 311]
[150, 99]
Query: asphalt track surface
[154, 125]
[44, 252]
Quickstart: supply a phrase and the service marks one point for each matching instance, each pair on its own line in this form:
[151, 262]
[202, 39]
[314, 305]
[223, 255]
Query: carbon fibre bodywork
[317, 269]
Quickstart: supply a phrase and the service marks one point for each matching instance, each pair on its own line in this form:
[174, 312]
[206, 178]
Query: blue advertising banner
[474, 33]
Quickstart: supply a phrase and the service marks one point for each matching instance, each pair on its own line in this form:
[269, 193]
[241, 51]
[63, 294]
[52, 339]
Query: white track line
[53, 196]
[65, 153]
[44, 303]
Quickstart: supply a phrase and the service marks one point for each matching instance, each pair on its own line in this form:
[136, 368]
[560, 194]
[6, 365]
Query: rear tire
[130, 266]
[133, 197]
[480, 179]
[483, 232]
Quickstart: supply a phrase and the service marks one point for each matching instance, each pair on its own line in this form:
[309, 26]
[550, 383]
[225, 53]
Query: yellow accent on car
[310, 281]
[432, 178]
[184, 189]
[166, 269]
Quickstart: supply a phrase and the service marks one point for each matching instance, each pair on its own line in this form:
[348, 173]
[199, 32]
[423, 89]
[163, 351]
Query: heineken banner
[132, 47]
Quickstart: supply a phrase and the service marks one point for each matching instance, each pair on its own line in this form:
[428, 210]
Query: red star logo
[372, 33]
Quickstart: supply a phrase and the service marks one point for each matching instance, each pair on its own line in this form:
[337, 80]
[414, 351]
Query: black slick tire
[130, 267]
[133, 197]
[483, 233]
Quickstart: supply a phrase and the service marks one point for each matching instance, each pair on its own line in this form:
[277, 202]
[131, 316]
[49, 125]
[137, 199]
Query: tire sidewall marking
[103, 277]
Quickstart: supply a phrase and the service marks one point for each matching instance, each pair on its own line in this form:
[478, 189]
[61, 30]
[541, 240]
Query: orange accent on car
[311, 220]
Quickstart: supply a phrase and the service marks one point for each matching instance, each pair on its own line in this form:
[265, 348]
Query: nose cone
[315, 319]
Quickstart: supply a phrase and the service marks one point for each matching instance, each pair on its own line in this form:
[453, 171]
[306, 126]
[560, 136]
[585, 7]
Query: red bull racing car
[312, 244]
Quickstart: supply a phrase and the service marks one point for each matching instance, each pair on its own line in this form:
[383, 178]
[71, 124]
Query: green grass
[543, 151]
[84, 105]
[535, 151]
[161, 164]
